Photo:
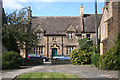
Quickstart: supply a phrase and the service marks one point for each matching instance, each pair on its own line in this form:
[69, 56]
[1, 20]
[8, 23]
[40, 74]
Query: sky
[52, 7]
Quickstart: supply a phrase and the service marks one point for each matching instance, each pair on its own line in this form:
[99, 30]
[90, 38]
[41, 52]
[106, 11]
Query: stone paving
[84, 71]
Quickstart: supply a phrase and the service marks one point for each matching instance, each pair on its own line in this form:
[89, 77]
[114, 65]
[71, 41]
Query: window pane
[53, 38]
[34, 50]
[41, 50]
[71, 35]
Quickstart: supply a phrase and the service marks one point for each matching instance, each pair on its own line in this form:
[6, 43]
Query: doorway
[54, 52]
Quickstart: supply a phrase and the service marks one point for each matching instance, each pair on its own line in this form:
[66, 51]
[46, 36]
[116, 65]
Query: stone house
[58, 35]
[109, 27]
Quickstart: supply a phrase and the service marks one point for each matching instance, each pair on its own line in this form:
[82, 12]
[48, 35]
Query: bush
[80, 57]
[95, 59]
[11, 60]
[110, 60]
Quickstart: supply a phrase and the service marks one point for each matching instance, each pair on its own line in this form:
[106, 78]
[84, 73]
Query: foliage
[95, 58]
[83, 54]
[110, 60]
[11, 60]
[85, 44]
[15, 32]
[80, 57]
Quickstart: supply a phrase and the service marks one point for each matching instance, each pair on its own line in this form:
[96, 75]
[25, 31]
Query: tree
[16, 30]
[85, 44]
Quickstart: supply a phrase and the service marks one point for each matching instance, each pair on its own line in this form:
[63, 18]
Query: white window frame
[39, 36]
[54, 38]
[89, 38]
[70, 35]
[68, 51]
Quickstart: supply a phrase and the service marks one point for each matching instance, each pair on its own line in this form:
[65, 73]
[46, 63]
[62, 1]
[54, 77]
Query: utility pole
[96, 24]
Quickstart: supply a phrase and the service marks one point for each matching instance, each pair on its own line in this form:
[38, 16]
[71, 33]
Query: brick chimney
[81, 10]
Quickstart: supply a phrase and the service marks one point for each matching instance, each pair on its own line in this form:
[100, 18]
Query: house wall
[47, 49]
[109, 27]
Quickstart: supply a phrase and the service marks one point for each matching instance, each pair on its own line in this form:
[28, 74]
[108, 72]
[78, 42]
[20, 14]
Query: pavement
[83, 71]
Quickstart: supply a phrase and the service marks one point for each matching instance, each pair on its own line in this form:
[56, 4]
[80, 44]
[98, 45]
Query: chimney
[29, 13]
[81, 18]
[81, 10]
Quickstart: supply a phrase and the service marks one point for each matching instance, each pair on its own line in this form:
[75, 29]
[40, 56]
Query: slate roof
[89, 22]
[58, 24]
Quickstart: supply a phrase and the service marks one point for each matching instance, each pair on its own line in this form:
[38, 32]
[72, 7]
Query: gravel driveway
[84, 71]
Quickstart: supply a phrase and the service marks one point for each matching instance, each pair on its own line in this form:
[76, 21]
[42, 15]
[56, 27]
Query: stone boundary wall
[35, 61]
[57, 62]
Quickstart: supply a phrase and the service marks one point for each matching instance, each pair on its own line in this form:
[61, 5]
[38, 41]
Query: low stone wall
[36, 61]
[57, 62]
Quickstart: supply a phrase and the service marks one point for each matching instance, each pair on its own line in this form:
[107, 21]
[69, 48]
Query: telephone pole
[96, 24]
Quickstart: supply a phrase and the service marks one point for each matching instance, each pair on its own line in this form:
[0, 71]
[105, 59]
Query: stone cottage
[109, 27]
[58, 35]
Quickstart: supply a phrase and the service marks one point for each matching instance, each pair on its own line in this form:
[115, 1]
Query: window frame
[39, 36]
[70, 35]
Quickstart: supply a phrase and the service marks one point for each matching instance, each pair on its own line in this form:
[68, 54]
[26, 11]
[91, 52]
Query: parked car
[61, 57]
[37, 56]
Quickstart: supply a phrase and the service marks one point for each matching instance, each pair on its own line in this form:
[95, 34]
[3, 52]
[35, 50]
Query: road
[84, 71]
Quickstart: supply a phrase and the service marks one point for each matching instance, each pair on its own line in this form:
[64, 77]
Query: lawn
[50, 75]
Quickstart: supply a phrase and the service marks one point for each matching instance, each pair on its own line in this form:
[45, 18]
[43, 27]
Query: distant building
[59, 35]
[109, 27]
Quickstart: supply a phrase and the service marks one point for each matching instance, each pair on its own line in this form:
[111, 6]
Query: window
[69, 49]
[70, 35]
[54, 38]
[88, 36]
[38, 50]
[41, 50]
[38, 36]
[34, 50]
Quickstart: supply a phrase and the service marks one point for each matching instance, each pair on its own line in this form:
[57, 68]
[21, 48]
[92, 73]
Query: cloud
[12, 4]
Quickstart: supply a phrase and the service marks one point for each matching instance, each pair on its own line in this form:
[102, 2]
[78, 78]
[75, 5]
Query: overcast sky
[53, 7]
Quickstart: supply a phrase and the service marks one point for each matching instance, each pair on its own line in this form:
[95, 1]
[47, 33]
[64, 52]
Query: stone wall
[109, 26]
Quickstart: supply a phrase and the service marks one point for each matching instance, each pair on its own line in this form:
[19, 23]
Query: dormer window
[54, 38]
[38, 36]
[70, 36]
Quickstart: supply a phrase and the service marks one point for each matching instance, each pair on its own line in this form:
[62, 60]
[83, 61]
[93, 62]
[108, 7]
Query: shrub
[95, 59]
[80, 57]
[110, 60]
[11, 60]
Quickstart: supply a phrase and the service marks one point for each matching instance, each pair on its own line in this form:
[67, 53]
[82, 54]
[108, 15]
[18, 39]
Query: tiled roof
[58, 24]
[89, 22]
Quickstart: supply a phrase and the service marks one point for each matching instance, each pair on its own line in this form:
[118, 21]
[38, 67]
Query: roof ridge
[53, 16]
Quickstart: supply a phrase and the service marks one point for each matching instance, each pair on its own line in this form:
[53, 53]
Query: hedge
[95, 59]
[80, 57]
[11, 60]
[110, 60]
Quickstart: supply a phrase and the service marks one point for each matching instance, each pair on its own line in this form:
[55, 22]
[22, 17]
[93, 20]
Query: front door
[54, 52]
